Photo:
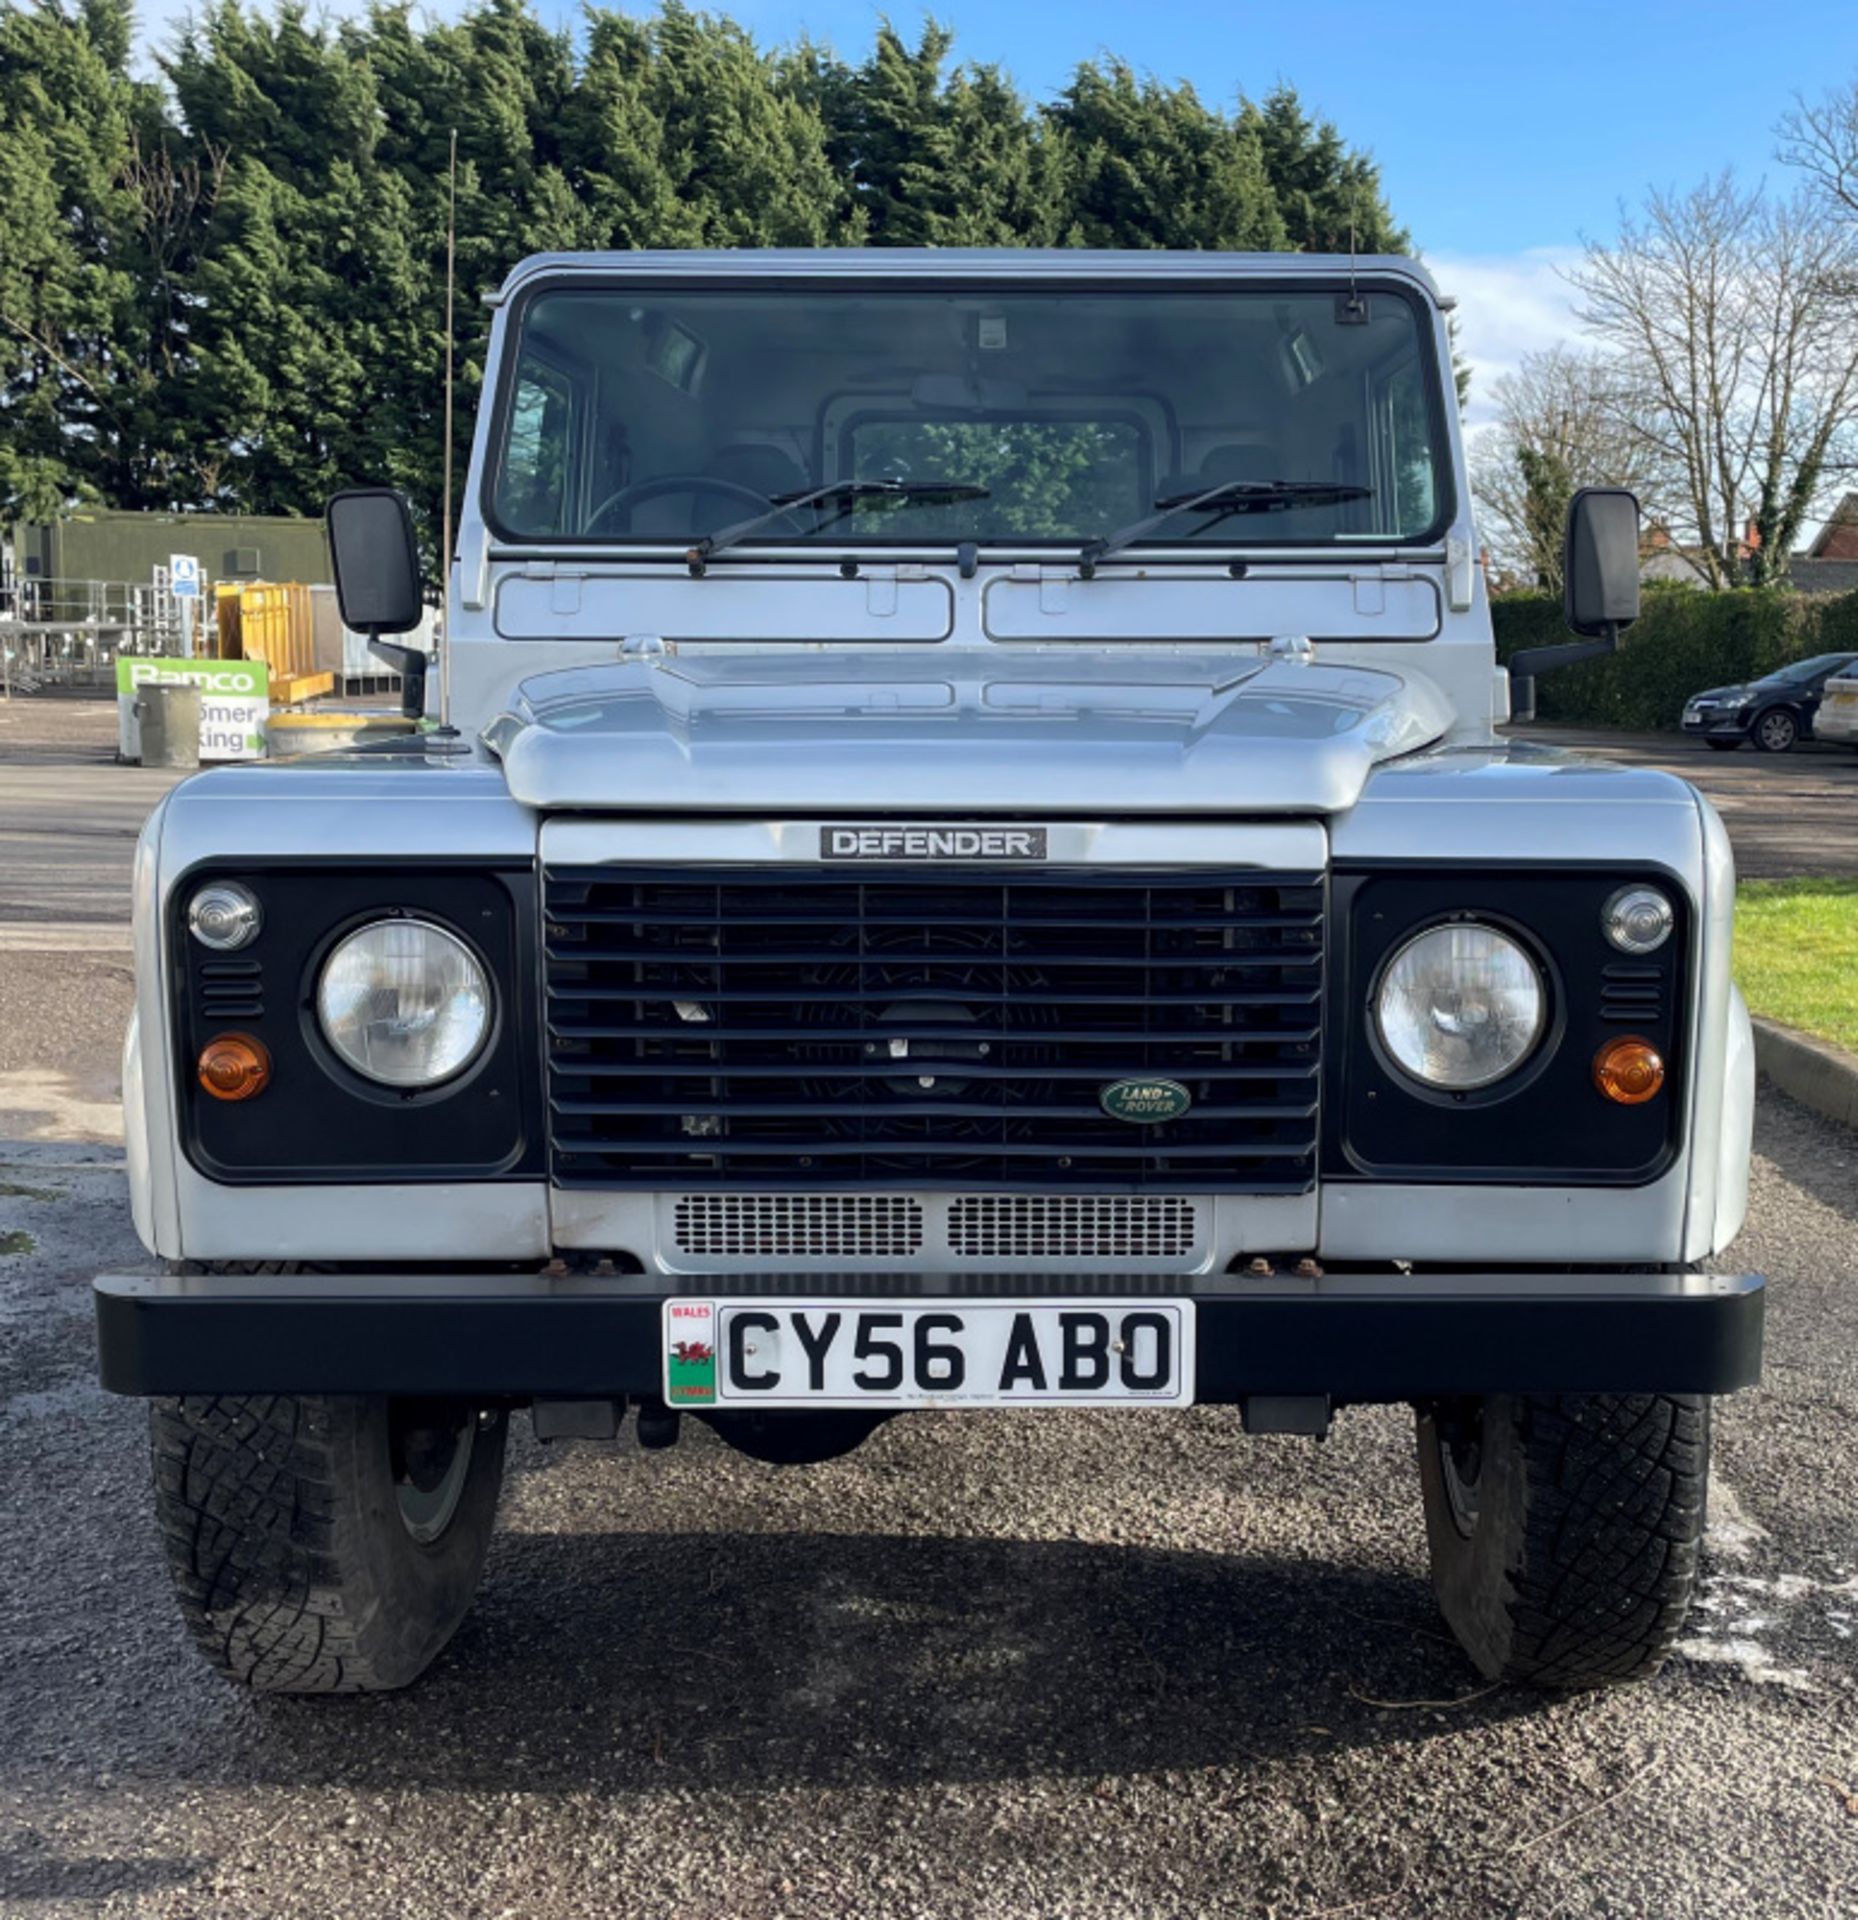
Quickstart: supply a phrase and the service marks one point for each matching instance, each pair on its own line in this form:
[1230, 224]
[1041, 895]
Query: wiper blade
[848, 493]
[1221, 502]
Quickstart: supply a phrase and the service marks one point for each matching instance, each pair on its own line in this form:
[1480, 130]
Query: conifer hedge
[1684, 641]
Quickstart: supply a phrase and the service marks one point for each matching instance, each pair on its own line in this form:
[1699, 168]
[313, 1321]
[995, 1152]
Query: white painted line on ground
[40, 1103]
[65, 936]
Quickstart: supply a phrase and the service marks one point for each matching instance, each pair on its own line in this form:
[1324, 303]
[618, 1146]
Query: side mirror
[376, 560]
[1599, 589]
[377, 580]
[1600, 562]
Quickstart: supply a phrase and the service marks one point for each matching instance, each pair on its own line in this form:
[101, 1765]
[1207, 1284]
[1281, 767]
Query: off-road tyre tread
[287, 1573]
[1597, 1538]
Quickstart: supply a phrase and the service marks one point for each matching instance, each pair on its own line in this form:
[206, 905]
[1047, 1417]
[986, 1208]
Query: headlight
[1460, 1006]
[404, 1002]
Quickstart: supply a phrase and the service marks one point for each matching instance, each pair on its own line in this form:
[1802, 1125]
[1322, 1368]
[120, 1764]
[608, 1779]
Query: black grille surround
[775, 1026]
[1546, 1124]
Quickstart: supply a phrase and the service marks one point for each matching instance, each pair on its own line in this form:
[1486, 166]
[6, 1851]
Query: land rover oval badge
[1144, 1102]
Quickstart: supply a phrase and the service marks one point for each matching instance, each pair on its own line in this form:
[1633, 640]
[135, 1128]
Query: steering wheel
[626, 498]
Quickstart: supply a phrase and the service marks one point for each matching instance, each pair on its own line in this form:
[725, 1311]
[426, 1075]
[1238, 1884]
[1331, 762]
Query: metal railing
[68, 633]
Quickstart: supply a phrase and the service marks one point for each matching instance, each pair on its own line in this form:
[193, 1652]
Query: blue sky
[1504, 131]
[1498, 127]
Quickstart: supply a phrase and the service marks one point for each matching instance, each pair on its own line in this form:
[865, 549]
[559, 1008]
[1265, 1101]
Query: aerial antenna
[1351, 310]
[445, 512]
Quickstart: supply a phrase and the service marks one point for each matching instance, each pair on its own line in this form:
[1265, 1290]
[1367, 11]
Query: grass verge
[1796, 954]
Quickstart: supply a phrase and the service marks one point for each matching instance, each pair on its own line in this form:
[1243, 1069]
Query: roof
[1025, 264]
[1840, 530]
[1823, 576]
[176, 517]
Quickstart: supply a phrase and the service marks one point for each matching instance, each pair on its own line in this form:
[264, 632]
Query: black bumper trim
[516, 1338]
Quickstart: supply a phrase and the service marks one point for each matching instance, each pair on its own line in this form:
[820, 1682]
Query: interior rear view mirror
[965, 393]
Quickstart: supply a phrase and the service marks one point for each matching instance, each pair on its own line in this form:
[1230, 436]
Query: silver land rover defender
[959, 857]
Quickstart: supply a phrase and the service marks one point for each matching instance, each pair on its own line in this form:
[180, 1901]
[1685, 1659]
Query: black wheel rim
[430, 1450]
[1461, 1469]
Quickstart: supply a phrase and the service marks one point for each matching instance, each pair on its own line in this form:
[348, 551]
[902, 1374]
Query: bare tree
[1558, 427]
[1725, 311]
[1822, 141]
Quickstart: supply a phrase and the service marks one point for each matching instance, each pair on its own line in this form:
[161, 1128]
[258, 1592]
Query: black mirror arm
[410, 664]
[1527, 667]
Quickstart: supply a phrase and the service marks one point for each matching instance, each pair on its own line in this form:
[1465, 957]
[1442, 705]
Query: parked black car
[1775, 712]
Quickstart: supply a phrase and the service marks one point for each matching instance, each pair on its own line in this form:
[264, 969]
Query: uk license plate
[929, 1353]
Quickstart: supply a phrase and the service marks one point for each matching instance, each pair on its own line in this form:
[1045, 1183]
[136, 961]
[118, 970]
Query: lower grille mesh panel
[812, 1028]
[1070, 1226]
[895, 1226]
[789, 1226]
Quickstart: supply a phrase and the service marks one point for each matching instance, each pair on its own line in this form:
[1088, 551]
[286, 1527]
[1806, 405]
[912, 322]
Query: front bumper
[1726, 725]
[519, 1337]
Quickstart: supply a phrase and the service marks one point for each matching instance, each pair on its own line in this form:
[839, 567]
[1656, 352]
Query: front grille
[715, 1027]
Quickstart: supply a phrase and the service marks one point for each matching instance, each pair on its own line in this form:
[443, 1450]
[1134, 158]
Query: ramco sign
[235, 702]
[932, 843]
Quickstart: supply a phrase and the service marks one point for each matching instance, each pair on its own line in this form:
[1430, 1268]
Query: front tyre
[1564, 1529]
[1776, 731]
[323, 1543]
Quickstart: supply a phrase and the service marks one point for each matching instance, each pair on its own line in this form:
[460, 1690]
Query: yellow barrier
[272, 623]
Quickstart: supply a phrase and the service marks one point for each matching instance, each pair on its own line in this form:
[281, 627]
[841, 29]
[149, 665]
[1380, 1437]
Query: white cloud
[1508, 305]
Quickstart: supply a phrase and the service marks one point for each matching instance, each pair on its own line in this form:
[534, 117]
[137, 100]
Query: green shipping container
[108, 545]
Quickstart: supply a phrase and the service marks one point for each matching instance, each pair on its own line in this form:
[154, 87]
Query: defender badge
[1144, 1102]
[932, 843]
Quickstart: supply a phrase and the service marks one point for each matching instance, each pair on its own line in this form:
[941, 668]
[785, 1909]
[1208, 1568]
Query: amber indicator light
[1628, 1070]
[234, 1067]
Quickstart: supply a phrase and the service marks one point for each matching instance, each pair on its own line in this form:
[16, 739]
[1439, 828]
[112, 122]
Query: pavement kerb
[1815, 1072]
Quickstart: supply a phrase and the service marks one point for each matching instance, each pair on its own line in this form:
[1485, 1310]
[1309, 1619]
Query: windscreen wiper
[934, 493]
[1221, 502]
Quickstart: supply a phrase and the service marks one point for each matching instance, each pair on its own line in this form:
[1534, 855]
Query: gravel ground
[989, 1665]
[1787, 813]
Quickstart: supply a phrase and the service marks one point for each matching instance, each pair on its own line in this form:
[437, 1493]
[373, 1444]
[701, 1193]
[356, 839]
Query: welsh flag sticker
[690, 1353]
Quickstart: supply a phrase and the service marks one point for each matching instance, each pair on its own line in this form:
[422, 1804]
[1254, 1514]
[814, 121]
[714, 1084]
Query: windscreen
[938, 417]
[1820, 666]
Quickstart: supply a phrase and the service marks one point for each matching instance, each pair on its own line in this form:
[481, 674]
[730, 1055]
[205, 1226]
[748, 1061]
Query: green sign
[235, 699]
[232, 679]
